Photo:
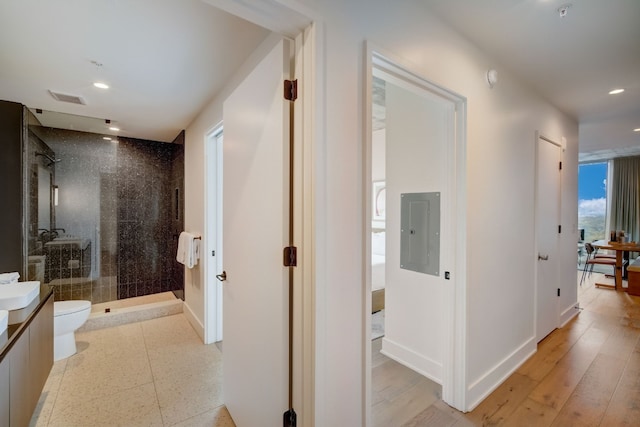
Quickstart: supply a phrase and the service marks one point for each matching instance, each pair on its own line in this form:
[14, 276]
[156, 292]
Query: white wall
[195, 186]
[500, 179]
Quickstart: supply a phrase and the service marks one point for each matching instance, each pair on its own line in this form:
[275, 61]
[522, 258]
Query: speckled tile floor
[151, 373]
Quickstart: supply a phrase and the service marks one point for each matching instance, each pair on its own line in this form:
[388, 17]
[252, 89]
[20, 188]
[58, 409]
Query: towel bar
[175, 236]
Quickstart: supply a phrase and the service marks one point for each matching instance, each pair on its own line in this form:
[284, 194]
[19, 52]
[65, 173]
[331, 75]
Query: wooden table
[621, 249]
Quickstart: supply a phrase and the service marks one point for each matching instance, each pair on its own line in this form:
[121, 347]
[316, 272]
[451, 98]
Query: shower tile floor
[151, 373]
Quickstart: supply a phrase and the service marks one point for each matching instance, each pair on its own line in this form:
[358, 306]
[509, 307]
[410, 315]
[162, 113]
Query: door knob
[222, 277]
[543, 257]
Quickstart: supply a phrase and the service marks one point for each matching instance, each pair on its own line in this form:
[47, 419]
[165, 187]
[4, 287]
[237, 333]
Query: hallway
[586, 373]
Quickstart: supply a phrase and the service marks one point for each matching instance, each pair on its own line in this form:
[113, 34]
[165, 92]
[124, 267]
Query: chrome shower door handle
[543, 257]
[222, 277]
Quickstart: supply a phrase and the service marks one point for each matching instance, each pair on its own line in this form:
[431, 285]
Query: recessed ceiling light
[636, 130]
[108, 138]
[113, 128]
[616, 91]
[101, 85]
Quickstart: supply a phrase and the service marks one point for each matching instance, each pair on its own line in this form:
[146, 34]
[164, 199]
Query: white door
[549, 156]
[255, 231]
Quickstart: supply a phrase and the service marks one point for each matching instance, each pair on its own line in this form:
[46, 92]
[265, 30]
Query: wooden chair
[594, 260]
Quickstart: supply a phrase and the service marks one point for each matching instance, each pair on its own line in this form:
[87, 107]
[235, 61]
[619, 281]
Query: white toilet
[67, 317]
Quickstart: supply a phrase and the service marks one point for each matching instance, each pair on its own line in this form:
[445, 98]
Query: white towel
[7, 278]
[188, 249]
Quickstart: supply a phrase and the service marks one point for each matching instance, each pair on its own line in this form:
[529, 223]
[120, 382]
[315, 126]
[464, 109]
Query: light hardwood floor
[584, 374]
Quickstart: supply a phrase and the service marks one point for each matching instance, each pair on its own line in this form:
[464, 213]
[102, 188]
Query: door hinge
[290, 256]
[558, 291]
[560, 167]
[291, 90]
[559, 229]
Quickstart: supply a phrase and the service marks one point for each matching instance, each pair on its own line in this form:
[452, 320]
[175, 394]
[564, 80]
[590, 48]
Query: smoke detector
[62, 97]
[564, 10]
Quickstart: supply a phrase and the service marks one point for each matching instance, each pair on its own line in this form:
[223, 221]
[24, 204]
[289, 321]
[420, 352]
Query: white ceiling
[164, 59]
[572, 61]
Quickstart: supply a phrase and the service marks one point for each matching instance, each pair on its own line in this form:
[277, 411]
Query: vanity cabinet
[4, 392]
[19, 382]
[40, 351]
[25, 365]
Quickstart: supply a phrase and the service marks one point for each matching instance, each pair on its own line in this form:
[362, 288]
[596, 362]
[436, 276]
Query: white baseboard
[569, 313]
[412, 360]
[193, 320]
[487, 383]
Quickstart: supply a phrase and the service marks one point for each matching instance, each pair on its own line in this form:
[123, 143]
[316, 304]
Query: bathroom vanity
[26, 358]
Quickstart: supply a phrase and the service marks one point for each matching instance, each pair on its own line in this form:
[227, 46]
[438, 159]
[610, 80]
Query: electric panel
[420, 232]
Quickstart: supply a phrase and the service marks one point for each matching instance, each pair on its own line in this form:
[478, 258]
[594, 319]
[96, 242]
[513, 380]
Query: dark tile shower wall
[107, 290]
[146, 244]
[121, 196]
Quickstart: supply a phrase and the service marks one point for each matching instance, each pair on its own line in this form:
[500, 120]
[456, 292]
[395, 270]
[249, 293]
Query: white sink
[15, 296]
[69, 241]
[4, 318]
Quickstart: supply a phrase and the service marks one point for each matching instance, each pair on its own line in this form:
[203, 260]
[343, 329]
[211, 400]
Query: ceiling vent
[67, 98]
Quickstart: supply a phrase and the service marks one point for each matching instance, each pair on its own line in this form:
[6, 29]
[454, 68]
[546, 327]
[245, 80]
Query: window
[592, 200]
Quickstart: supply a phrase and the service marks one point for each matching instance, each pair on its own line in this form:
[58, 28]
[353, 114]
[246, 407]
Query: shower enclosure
[104, 212]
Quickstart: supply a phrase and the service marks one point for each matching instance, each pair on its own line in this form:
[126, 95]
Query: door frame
[539, 137]
[305, 27]
[454, 355]
[213, 233]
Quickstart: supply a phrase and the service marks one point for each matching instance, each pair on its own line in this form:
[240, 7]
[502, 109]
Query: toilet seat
[61, 308]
